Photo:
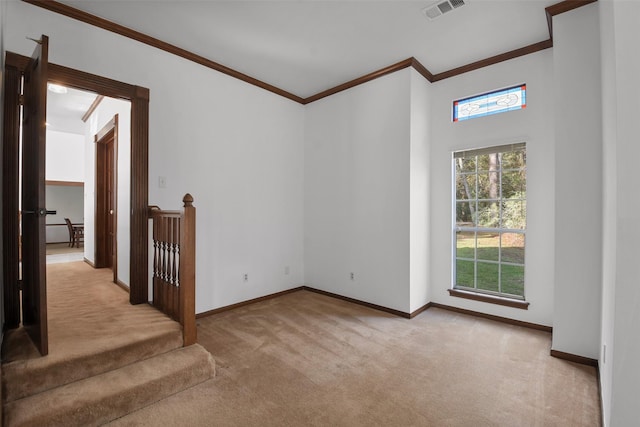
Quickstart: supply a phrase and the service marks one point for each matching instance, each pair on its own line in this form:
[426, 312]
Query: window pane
[514, 185]
[489, 185]
[488, 246]
[488, 215]
[513, 159]
[464, 273]
[465, 212]
[483, 163]
[467, 165]
[514, 214]
[513, 279]
[488, 276]
[466, 187]
[465, 244]
[513, 248]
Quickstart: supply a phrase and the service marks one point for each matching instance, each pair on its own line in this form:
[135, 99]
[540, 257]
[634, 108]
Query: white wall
[609, 201]
[68, 201]
[357, 152]
[626, 375]
[64, 157]
[578, 168]
[419, 196]
[532, 125]
[105, 112]
[620, 378]
[236, 148]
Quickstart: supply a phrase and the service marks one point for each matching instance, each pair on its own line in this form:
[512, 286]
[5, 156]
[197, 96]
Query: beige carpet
[305, 359]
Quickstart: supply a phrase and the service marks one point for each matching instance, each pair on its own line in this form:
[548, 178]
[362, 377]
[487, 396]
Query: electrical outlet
[246, 277]
[353, 276]
[162, 182]
[287, 270]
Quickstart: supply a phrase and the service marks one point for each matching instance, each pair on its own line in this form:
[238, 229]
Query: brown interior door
[110, 202]
[34, 277]
[106, 201]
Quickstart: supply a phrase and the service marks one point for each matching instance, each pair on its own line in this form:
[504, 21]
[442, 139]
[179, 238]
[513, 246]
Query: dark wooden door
[34, 277]
[111, 201]
[106, 197]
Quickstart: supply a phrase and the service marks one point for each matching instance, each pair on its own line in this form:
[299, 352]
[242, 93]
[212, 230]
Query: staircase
[101, 385]
[108, 358]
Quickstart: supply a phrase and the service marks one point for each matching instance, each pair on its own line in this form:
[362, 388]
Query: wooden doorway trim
[106, 247]
[139, 193]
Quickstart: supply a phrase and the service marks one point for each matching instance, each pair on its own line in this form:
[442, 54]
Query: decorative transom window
[499, 101]
[490, 220]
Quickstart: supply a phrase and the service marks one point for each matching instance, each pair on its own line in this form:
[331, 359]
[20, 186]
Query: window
[499, 101]
[490, 220]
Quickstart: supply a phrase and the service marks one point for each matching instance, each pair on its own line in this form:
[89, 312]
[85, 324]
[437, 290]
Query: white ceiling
[307, 46]
[65, 110]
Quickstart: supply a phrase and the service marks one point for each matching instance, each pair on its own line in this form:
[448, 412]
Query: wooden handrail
[174, 265]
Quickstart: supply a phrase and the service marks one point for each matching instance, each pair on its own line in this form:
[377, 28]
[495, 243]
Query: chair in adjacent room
[76, 233]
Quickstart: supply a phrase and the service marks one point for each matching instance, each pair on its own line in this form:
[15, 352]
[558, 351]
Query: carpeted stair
[93, 389]
[24, 378]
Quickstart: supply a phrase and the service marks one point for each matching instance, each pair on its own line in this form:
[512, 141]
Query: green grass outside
[488, 274]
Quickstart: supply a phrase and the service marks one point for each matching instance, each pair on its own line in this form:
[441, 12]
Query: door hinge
[21, 100]
[19, 285]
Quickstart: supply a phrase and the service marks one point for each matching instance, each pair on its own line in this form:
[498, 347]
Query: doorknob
[111, 212]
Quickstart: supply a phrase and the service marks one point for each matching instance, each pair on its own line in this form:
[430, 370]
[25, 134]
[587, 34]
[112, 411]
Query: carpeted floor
[62, 248]
[305, 359]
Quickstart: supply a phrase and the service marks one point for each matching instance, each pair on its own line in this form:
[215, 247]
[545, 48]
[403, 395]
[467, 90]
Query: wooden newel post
[188, 271]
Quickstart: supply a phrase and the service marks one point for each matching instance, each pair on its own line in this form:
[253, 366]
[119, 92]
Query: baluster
[171, 299]
[165, 262]
[174, 248]
[156, 260]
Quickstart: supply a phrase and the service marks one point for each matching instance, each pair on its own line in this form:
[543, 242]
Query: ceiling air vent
[438, 9]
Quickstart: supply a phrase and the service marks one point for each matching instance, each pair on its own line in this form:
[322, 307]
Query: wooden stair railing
[174, 265]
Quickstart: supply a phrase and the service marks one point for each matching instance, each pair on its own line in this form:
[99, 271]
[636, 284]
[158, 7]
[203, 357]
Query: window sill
[524, 305]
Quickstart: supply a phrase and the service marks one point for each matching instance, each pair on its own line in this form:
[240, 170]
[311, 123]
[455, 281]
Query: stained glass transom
[500, 101]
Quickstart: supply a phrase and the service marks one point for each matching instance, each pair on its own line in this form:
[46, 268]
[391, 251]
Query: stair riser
[32, 377]
[126, 390]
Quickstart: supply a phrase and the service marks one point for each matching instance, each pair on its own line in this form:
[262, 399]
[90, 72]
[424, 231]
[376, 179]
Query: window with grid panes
[490, 220]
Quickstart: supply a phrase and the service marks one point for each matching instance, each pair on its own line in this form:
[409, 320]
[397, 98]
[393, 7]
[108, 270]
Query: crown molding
[105, 24]
[366, 78]
[532, 48]
[71, 12]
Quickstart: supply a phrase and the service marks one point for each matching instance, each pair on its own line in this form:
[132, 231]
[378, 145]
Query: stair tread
[27, 377]
[112, 394]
